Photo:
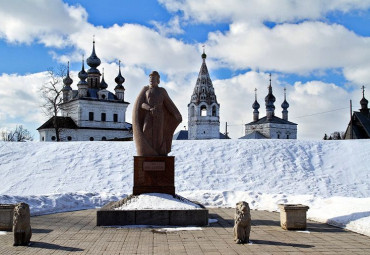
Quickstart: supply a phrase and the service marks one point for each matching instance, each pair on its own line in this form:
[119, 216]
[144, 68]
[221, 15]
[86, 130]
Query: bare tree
[337, 135]
[19, 134]
[52, 95]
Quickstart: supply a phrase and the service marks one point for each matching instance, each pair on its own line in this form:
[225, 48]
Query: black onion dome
[255, 105]
[364, 102]
[270, 99]
[204, 55]
[119, 79]
[93, 61]
[103, 84]
[285, 105]
[67, 81]
[82, 75]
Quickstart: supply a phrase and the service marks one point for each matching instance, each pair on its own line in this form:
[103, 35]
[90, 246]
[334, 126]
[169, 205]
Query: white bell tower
[203, 109]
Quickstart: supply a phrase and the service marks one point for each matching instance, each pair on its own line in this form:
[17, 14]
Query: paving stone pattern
[77, 233]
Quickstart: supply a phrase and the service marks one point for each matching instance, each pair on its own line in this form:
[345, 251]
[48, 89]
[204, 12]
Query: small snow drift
[158, 201]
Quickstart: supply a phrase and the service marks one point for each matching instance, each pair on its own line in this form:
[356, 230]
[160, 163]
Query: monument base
[109, 216]
[154, 175]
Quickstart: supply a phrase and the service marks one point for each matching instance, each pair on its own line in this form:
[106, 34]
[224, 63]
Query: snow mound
[157, 201]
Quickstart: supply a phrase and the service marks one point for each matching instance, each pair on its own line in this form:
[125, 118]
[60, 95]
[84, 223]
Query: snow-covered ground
[331, 177]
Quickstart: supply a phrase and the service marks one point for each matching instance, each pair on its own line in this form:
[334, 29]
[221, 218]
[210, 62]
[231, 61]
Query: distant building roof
[358, 127]
[62, 122]
[274, 119]
[183, 135]
[254, 135]
[68, 123]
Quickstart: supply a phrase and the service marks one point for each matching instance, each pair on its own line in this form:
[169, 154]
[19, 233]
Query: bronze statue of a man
[154, 119]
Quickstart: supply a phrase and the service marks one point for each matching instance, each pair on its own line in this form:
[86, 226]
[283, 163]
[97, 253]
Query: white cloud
[326, 101]
[358, 74]
[301, 48]
[251, 11]
[20, 98]
[23, 21]
[171, 28]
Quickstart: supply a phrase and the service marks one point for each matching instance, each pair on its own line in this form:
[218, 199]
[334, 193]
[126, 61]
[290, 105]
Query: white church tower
[203, 109]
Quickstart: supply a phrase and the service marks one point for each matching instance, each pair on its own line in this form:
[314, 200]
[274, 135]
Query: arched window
[69, 138]
[278, 136]
[214, 111]
[203, 110]
[91, 138]
[53, 138]
[287, 136]
[103, 138]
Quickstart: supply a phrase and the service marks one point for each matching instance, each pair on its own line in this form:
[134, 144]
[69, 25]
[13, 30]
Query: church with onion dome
[270, 126]
[92, 112]
[359, 124]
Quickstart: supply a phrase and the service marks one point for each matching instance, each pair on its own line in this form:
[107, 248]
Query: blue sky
[319, 50]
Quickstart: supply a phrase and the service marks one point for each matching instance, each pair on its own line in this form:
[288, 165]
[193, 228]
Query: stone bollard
[22, 225]
[6, 217]
[293, 216]
[242, 227]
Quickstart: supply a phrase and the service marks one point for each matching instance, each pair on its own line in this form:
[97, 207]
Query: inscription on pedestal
[154, 175]
[154, 166]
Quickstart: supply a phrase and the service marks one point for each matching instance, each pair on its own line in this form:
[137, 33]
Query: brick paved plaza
[76, 233]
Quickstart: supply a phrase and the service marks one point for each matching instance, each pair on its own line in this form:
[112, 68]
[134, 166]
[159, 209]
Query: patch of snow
[174, 229]
[2, 233]
[304, 231]
[210, 221]
[157, 201]
[51, 203]
[158, 228]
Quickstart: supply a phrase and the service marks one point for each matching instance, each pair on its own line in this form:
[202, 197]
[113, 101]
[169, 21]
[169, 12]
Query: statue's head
[154, 79]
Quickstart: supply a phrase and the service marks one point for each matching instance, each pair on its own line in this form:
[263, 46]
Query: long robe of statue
[155, 118]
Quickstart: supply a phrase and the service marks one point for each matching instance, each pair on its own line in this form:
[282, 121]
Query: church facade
[90, 113]
[203, 109]
[270, 126]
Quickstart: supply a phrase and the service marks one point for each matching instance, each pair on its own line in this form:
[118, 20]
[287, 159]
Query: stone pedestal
[6, 217]
[293, 216]
[154, 175]
[111, 217]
